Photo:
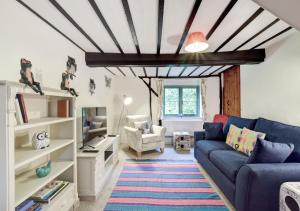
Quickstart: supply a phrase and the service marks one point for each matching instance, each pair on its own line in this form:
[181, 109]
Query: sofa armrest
[199, 135]
[258, 185]
[159, 130]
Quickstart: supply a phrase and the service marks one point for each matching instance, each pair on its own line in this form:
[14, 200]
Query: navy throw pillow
[213, 131]
[270, 152]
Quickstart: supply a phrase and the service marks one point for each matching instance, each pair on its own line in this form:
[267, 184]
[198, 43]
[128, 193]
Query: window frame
[180, 102]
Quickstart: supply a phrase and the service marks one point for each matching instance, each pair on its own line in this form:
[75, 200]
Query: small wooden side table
[290, 196]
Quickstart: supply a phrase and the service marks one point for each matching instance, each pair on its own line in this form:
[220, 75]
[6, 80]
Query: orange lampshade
[196, 42]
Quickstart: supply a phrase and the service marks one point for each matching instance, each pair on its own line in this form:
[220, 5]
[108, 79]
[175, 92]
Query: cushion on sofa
[283, 133]
[233, 137]
[248, 140]
[239, 122]
[208, 146]
[228, 161]
[213, 131]
[270, 152]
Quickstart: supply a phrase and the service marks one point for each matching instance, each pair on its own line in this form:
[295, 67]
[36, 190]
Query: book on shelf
[21, 101]
[46, 194]
[19, 117]
[25, 205]
[63, 108]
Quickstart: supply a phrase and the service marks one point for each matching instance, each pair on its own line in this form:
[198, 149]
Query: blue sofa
[250, 187]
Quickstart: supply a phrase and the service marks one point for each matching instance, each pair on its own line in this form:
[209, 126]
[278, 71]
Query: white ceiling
[145, 18]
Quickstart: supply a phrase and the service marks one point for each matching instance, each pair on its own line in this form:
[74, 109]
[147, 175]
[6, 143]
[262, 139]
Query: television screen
[94, 123]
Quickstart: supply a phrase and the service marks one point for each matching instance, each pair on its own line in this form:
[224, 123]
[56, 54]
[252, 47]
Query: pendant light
[196, 42]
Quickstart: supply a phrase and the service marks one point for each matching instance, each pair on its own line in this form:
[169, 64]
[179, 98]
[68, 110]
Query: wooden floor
[124, 154]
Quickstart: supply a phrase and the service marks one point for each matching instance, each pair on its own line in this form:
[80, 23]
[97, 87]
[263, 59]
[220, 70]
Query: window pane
[171, 101]
[189, 101]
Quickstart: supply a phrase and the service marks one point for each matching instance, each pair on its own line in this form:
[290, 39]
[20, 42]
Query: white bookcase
[18, 159]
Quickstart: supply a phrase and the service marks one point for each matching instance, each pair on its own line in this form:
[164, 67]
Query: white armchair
[144, 142]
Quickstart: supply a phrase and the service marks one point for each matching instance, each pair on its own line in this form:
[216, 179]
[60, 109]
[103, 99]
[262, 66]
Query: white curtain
[203, 98]
[160, 92]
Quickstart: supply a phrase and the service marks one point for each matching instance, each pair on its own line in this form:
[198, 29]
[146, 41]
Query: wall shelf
[28, 183]
[26, 155]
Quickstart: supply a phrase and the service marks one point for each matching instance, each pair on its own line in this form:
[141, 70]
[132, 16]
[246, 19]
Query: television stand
[94, 169]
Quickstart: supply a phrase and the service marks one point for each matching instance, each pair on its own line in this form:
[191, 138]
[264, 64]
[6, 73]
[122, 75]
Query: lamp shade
[127, 100]
[196, 42]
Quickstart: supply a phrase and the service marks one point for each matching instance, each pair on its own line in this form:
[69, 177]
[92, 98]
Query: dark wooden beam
[221, 18]
[188, 25]
[194, 70]
[106, 26]
[121, 71]
[74, 23]
[169, 71]
[179, 77]
[150, 99]
[161, 4]
[207, 69]
[216, 70]
[110, 71]
[223, 71]
[274, 36]
[182, 71]
[152, 90]
[254, 56]
[156, 71]
[133, 73]
[220, 94]
[246, 23]
[145, 72]
[258, 33]
[49, 24]
[131, 25]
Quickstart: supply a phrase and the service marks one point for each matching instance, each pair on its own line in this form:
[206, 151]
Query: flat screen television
[94, 124]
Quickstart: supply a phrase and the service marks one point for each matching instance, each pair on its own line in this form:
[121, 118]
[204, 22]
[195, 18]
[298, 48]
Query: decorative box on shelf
[290, 196]
[182, 140]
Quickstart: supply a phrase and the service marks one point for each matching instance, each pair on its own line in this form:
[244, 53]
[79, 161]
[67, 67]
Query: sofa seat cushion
[150, 138]
[207, 146]
[228, 162]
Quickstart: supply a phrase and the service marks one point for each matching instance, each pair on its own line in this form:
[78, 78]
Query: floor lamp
[126, 101]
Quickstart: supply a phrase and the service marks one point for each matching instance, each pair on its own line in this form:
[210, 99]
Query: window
[181, 101]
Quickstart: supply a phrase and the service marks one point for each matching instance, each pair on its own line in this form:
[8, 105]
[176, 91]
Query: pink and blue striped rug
[163, 185]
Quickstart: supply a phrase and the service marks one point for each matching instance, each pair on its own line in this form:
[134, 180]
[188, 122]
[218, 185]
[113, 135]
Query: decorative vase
[44, 170]
[40, 140]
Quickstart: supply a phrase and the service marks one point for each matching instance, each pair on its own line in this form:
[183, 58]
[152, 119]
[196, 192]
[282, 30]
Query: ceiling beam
[194, 70]
[49, 24]
[246, 23]
[258, 33]
[169, 71]
[74, 23]
[221, 18]
[223, 71]
[133, 73]
[161, 4]
[110, 71]
[131, 25]
[121, 71]
[207, 69]
[156, 71]
[188, 25]
[145, 72]
[216, 70]
[182, 71]
[201, 59]
[177, 77]
[272, 37]
[106, 26]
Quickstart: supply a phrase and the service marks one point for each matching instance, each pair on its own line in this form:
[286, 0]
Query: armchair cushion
[150, 138]
[268, 152]
[213, 131]
[143, 126]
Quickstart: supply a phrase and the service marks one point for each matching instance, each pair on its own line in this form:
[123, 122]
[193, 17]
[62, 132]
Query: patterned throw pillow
[142, 126]
[233, 137]
[248, 140]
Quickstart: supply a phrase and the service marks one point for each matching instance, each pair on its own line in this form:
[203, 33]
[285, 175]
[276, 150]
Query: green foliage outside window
[181, 101]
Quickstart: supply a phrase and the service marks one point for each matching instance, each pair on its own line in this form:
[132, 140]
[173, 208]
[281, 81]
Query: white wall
[23, 35]
[272, 88]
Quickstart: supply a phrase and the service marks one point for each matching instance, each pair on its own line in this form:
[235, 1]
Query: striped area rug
[163, 185]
